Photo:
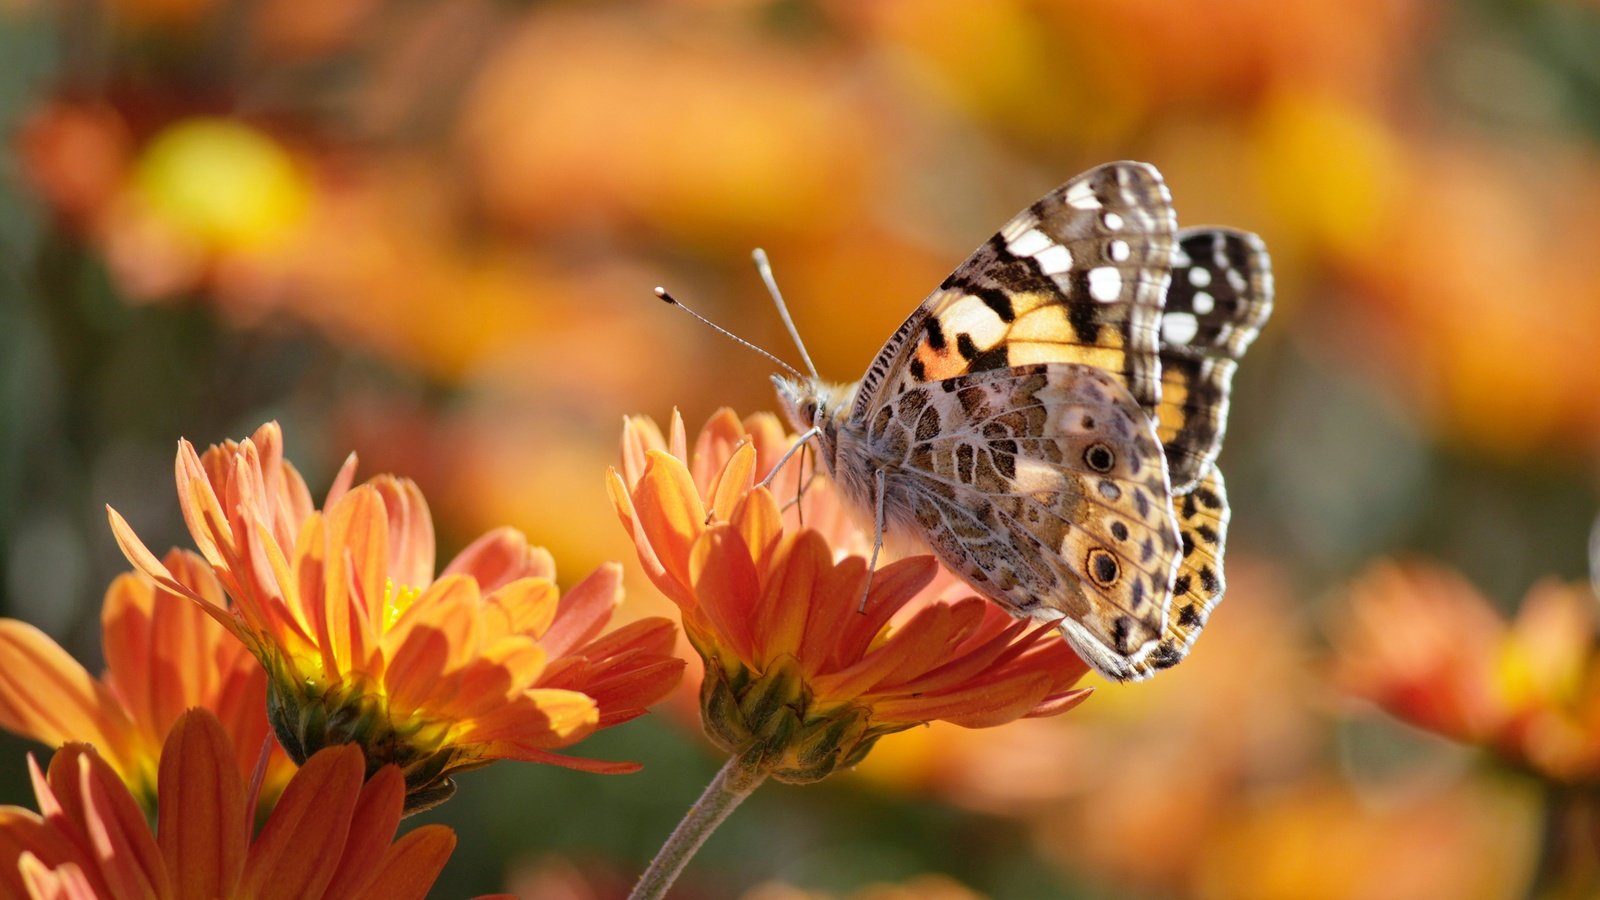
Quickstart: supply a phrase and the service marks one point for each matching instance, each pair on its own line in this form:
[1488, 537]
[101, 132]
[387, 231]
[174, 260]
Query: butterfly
[1047, 421]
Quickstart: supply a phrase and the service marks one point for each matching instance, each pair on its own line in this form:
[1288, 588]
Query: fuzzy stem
[737, 779]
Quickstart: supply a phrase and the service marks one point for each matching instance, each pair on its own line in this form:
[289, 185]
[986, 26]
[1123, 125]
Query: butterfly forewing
[1077, 277]
[1221, 295]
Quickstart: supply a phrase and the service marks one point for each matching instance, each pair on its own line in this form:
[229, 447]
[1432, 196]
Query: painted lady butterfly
[1047, 421]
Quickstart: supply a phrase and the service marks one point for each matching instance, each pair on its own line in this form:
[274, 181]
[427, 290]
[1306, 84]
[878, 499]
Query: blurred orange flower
[163, 655]
[798, 680]
[362, 643]
[1427, 647]
[329, 836]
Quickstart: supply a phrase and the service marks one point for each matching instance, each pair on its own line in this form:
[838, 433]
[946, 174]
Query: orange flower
[1427, 647]
[362, 643]
[163, 656]
[329, 836]
[797, 680]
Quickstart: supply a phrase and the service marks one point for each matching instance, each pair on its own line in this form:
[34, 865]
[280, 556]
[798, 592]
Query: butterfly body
[1025, 422]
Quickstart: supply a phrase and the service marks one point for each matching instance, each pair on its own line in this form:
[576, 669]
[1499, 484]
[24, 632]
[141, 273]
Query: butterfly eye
[1099, 457]
[1103, 567]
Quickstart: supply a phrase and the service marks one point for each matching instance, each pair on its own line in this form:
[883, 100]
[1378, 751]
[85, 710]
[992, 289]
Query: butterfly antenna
[668, 298]
[764, 267]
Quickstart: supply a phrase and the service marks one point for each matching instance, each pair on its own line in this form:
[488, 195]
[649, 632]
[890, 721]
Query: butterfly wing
[1078, 277]
[1044, 487]
[1220, 296]
[1203, 532]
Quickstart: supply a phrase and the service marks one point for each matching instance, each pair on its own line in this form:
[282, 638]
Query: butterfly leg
[799, 442]
[877, 541]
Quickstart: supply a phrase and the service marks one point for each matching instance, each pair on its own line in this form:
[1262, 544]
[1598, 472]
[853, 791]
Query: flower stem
[737, 779]
[1569, 852]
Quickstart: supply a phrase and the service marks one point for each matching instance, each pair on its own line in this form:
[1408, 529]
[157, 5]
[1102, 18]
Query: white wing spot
[1120, 251]
[1113, 221]
[1203, 302]
[1179, 327]
[1081, 196]
[1054, 259]
[1031, 242]
[1105, 284]
[1199, 277]
[1236, 280]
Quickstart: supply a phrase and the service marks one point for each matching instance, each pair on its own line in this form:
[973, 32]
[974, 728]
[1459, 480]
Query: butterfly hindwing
[1220, 296]
[1045, 487]
[1078, 277]
[1197, 589]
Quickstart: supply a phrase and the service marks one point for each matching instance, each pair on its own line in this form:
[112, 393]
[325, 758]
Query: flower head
[361, 642]
[163, 655]
[330, 835]
[1422, 643]
[798, 679]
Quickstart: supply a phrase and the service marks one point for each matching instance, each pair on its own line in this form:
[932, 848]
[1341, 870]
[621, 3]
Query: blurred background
[428, 231]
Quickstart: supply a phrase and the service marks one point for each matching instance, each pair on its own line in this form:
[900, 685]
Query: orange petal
[341, 481]
[526, 606]
[670, 512]
[504, 671]
[411, 538]
[145, 561]
[786, 604]
[909, 652]
[584, 611]
[64, 882]
[983, 706]
[161, 650]
[202, 511]
[540, 719]
[734, 481]
[893, 586]
[117, 833]
[298, 850]
[639, 436]
[358, 542]
[430, 643]
[501, 557]
[760, 523]
[728, 588]
[377, 815]
[46, 695]
[411, 866]
[23, 833]
[714, 446]
[204, 826]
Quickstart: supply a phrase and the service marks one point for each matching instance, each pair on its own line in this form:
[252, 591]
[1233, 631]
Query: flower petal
[669, 513]
[46, 695]
[412, 864]
[728, 587]
[204, 825]
[298, 850]
[377, 815]
[501, 557]
[584, 611]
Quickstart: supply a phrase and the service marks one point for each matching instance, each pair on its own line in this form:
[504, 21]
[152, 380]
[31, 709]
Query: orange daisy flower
[1423, 644]
[331, 835]
[362, 643]
[163, 655]
[798, 682]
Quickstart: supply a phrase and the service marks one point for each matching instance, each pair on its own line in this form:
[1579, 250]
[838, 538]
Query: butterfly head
[809, 403]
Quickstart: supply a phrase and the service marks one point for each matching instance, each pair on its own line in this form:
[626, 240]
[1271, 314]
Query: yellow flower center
[396, 600]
